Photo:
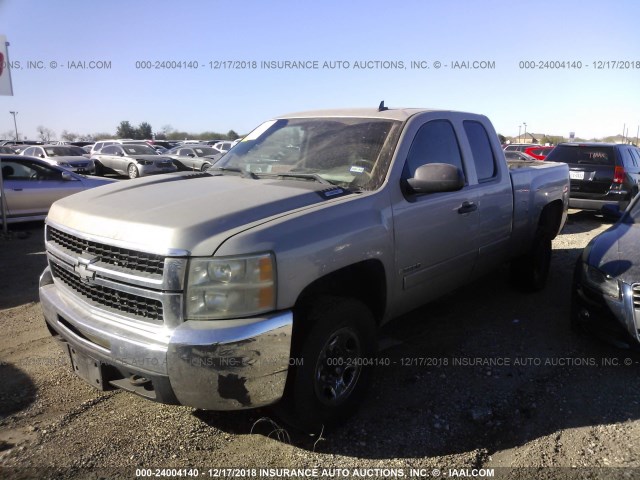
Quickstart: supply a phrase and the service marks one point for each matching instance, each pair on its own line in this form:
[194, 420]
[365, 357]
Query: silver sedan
[31, 185]
[67, 157]
[193, 157]
[133, 160]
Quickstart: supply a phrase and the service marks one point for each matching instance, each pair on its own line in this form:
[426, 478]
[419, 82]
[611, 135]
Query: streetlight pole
[519, 127]
[525, 132]
[15, 124]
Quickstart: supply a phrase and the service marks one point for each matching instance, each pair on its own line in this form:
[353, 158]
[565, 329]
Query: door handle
[16, 189]
[467, 207]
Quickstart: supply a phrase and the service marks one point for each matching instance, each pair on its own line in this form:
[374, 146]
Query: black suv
[601, 173]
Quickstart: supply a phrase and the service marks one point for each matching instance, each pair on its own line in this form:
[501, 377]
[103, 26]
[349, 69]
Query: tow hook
[138, 381]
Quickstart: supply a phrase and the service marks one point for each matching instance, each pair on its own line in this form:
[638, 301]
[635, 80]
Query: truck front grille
[126, 259]
[636, 296]
[115, 300]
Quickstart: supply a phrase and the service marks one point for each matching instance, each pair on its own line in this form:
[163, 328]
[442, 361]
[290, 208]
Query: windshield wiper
[243, 173]
[306, 176]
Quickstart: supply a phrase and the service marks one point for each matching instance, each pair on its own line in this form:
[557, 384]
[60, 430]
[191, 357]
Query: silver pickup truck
[263, 280]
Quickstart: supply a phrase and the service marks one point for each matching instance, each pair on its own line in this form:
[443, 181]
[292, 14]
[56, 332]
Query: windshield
[342, 151]
[139, 150]
[61, 152]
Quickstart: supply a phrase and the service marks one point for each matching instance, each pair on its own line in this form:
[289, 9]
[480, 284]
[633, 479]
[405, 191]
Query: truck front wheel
[331, 364]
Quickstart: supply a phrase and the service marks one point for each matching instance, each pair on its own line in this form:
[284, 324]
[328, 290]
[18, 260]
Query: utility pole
[525, 132]
[519, 127]
[15, 124]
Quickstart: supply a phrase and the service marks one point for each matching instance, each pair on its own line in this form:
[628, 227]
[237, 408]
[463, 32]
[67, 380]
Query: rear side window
[435, 142]
[583, 155]
[627, 158]
[635, 155]
[483, 157]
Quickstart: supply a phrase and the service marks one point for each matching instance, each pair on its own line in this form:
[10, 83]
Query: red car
[538, 151]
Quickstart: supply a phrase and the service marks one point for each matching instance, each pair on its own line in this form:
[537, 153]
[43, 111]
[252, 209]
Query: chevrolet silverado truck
[263, 280]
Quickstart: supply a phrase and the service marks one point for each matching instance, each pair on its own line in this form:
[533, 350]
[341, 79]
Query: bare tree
[68, 136]
[45, 134]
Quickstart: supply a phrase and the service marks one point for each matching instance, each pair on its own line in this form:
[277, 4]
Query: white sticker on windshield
[355, 169]
[259, 131]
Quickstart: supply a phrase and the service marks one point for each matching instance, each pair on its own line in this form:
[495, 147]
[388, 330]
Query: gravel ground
[552, 404]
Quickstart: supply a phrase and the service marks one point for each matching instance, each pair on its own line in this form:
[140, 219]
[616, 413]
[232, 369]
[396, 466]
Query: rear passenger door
[435, 233]
[494, 196]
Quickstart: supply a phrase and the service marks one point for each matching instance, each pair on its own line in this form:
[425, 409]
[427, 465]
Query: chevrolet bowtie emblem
[82, 268]
[86, 275]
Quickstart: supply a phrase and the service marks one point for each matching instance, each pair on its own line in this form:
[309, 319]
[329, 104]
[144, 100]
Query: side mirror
[436, 177]
[41, 155]
[67, 176]
[191, 155]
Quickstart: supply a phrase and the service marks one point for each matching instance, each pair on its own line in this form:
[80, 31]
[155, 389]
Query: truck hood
[190, 212]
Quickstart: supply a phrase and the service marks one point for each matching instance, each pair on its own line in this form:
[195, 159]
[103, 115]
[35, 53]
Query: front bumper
[154, 169]
[213, 365]
[610, 319]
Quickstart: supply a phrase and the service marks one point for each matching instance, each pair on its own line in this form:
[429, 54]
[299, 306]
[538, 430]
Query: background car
[515, 155]
[520, 147]
[223, 146]
[100, 144]
[68, 157]
[7, 150]
[601, 173]
[133, 160]
[538, 152]
[31, 185]
[194, 157]
[606, 282]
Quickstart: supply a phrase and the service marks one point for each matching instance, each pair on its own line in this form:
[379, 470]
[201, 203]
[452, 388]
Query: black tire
[204, 167]
[132, 171]
[335, 350]
[530, 272]
[99, 172]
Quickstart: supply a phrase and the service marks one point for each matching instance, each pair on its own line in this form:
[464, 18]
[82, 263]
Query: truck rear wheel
[332, 364]
[530, 272]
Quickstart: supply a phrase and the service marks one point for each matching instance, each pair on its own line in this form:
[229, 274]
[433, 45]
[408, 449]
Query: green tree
[125, 130]
[232, 135]
[144, 132]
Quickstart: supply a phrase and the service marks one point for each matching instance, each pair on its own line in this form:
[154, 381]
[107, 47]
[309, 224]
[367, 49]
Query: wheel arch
[364, 281]
[551, 218]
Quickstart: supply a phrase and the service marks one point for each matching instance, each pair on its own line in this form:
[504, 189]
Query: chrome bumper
[213, 365]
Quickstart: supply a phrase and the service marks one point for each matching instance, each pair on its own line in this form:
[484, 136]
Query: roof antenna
[381, 107]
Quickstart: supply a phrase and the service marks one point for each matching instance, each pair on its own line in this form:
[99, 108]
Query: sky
[511, 44]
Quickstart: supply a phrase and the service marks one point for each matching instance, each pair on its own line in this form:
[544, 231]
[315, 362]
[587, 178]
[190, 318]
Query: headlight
[144, 162]
[230, 287]
[600, 281]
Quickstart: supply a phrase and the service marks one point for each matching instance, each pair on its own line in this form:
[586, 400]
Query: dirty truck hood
[190, 212]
